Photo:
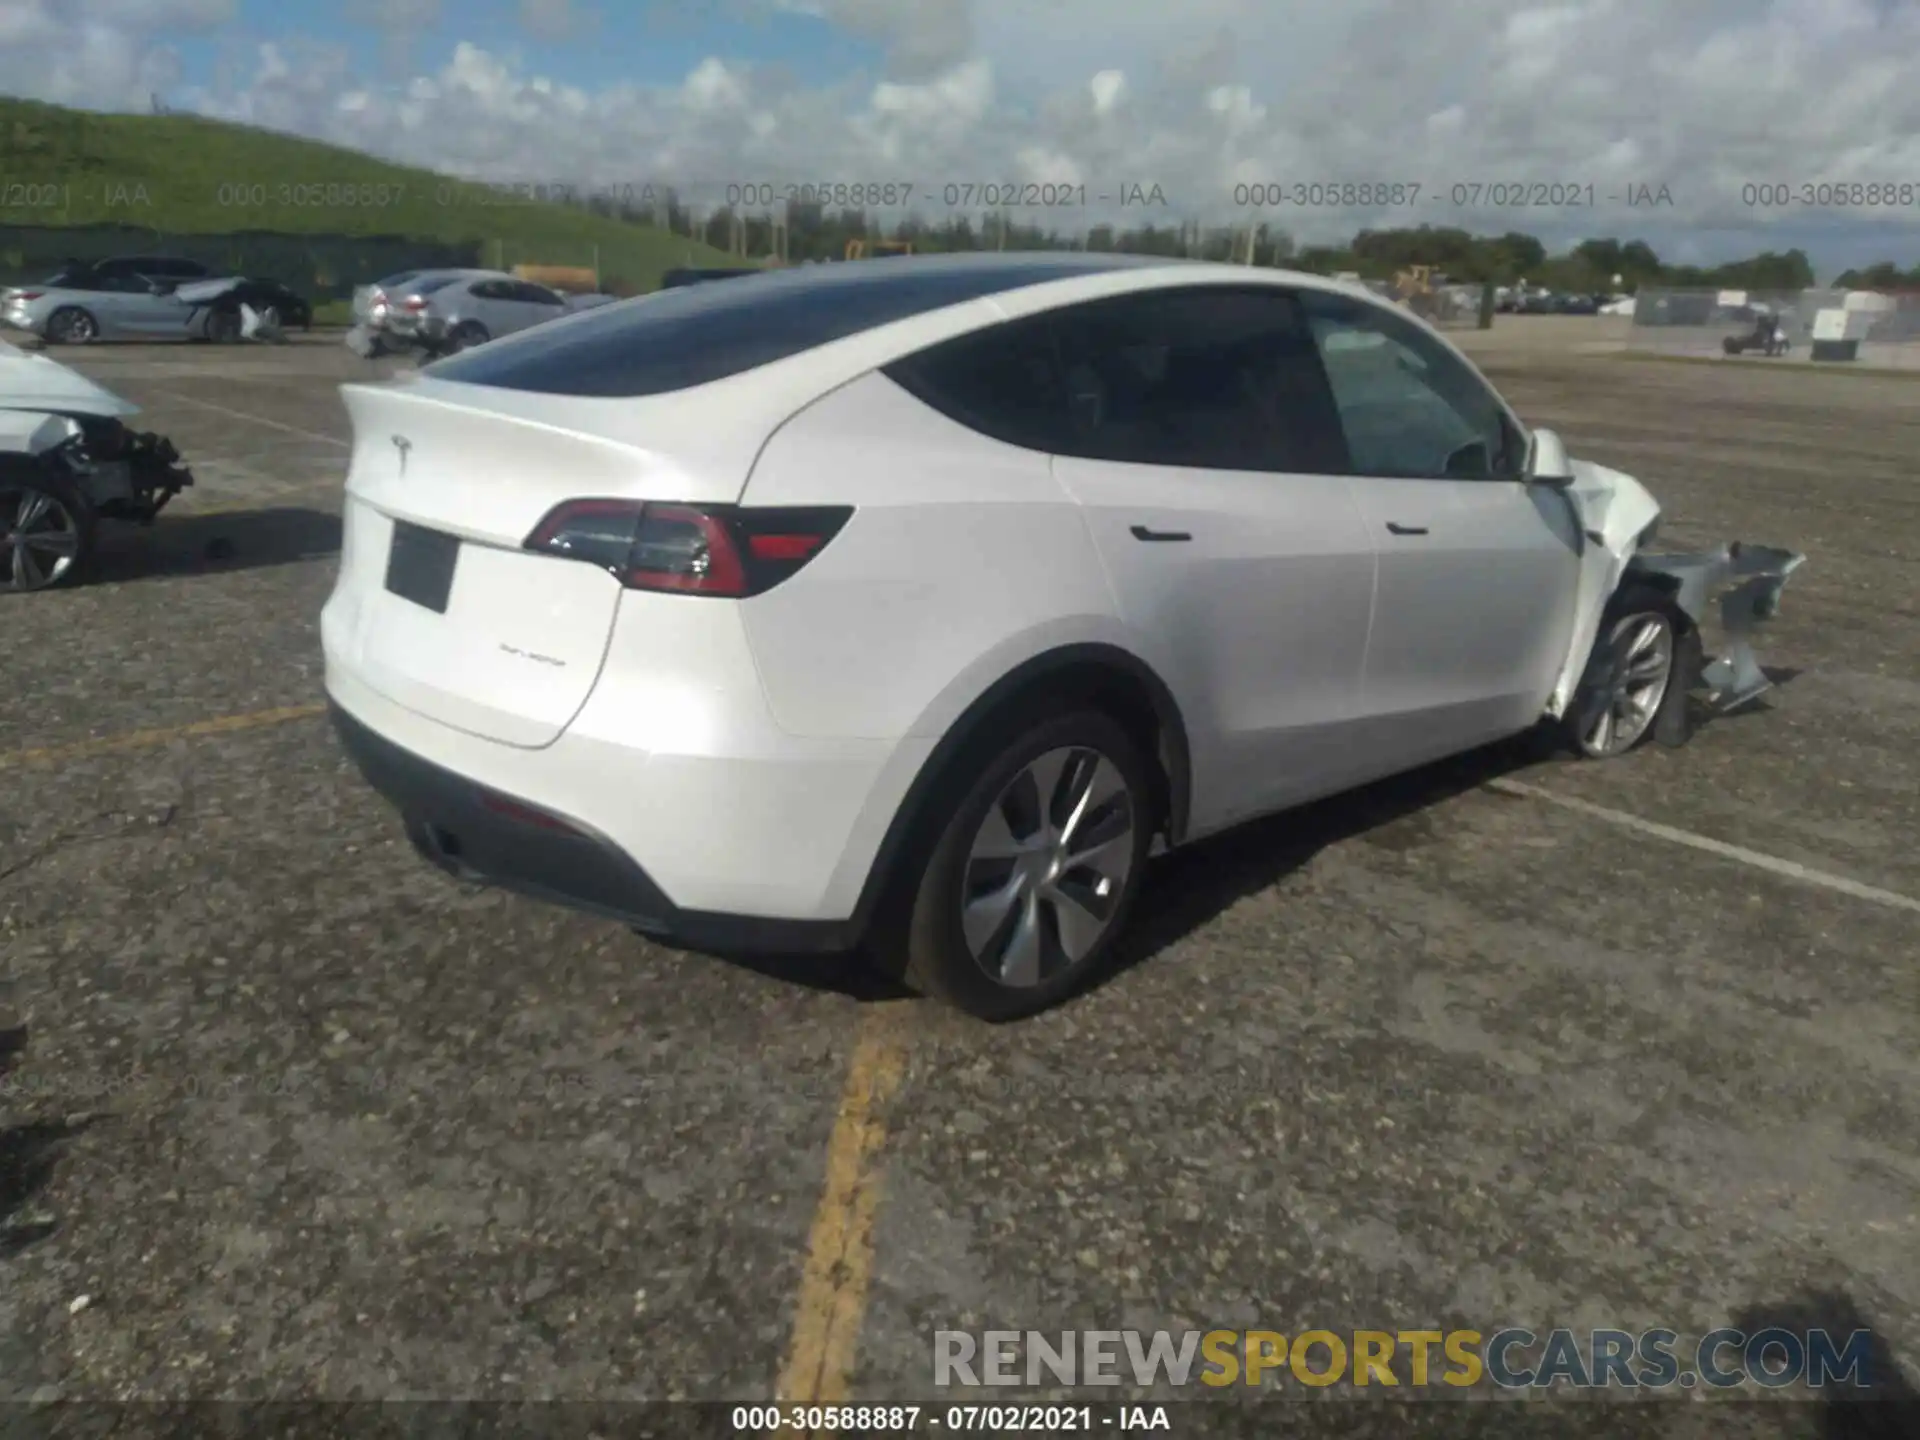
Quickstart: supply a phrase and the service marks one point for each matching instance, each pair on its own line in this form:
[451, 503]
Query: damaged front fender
[1746, 581]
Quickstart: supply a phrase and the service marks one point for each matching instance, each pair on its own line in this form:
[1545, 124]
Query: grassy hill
[181, 175]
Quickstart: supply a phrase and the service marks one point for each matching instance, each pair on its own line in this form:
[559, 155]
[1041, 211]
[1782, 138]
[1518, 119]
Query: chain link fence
[1864, 328]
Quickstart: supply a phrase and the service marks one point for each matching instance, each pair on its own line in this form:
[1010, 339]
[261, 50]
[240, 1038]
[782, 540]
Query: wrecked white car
[69, 460]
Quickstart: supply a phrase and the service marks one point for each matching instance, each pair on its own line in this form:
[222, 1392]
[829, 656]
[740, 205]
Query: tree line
[812, 232]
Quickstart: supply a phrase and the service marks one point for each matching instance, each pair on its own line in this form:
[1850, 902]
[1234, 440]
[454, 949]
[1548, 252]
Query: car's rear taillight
[721, 550]
[414, 303]
[26, 294]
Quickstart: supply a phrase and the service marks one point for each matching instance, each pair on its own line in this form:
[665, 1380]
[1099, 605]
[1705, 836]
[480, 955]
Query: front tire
[46, 531]
[1030, 880]
[1633, 676]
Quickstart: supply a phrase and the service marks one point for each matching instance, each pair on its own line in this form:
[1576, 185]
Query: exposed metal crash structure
[1746, 581]
[69, 460]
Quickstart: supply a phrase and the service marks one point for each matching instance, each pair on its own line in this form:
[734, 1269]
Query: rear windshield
[679, 338]
[393, 280]
[428, 286]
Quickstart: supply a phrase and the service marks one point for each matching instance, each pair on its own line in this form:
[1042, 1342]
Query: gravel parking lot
[1511, 1041]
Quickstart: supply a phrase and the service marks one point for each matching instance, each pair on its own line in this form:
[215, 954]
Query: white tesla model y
[905, 606]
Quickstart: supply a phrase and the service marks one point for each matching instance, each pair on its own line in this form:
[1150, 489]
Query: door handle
[1141, 532]
[1406, 529]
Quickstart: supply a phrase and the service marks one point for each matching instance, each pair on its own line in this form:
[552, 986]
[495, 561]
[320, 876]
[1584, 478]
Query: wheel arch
[1095, 672]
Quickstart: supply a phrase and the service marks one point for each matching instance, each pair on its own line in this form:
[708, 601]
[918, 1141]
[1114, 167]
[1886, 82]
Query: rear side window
[678, 338]
[1004, 381]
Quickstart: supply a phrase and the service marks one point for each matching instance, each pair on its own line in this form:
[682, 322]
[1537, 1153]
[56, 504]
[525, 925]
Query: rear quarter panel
[964, 558]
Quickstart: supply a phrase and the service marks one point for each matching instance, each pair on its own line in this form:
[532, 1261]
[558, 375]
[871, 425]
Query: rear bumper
[479, 834]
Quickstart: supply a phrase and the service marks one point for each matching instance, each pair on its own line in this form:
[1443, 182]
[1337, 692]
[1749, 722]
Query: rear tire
[223, 327]
[465, 337]
[71, 325]
[46, 530]
[1016, 901]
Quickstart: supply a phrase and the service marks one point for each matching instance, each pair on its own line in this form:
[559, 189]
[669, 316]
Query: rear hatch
[445, 611]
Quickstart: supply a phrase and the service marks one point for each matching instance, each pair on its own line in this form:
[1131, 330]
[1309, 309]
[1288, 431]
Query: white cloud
[1703, 98]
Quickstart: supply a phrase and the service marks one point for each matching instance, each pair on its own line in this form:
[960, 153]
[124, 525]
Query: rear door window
[1214, 377]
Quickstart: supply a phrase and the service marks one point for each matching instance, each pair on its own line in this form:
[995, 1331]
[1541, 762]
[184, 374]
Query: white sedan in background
[911, 605]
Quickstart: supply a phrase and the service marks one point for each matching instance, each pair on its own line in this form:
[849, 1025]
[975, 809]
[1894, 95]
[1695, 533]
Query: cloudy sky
[1599, 98]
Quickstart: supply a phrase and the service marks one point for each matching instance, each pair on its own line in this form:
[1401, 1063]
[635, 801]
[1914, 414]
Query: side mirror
[1547, 462]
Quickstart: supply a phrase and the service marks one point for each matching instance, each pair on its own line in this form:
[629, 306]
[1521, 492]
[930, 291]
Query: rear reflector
[525, 814]
[718, 550]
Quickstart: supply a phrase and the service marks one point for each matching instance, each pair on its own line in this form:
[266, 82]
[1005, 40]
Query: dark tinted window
[431, 284]
[535, 294]
[678, 338]
[155, 265]
[1409, 407]
[1215, 378]
[394, 281]
[1004, 381]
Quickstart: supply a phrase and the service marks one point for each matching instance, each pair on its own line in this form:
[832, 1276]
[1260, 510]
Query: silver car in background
[440, 312]
[78, 307]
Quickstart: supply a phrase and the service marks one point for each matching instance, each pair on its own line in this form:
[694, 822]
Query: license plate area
[420, 565]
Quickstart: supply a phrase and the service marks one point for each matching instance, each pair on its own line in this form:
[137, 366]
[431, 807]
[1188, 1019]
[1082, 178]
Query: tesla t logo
[403, 445]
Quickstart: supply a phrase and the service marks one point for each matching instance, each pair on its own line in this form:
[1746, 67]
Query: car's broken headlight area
[126, 474]
[1746, 581]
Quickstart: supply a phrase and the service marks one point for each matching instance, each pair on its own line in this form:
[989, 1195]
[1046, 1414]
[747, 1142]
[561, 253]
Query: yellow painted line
[839, 1268]
[148, 739]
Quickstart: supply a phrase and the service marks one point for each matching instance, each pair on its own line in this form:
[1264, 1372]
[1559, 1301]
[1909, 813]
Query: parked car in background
[442, 312]
[79, 307]
[293, 310]
[915, 603]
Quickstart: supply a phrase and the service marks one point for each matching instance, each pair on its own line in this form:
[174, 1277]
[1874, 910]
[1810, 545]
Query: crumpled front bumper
[1746, 581]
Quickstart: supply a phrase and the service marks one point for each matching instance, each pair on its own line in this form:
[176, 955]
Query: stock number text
[1836, 195]
[315, 195]
[1316, 195]
[766, 193]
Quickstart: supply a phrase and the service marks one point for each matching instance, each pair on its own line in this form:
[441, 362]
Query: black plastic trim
[449, 823]
[1176, 761]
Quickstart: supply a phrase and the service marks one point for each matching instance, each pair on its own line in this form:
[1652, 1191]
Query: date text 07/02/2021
[930, 1419]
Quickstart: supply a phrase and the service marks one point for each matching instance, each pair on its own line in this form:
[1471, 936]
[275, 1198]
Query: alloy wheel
[39, 539]
[74, 327]
[1048, 867]
[1624, 700]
